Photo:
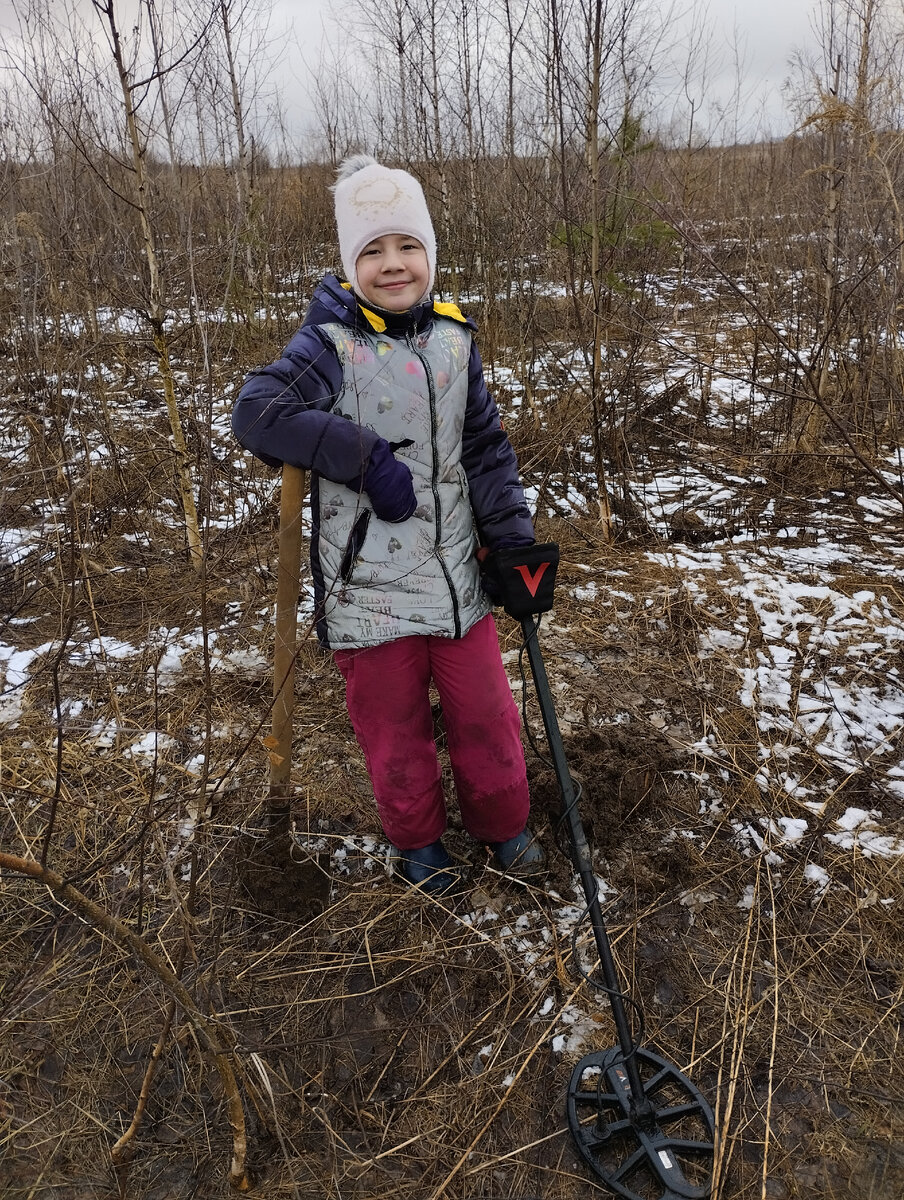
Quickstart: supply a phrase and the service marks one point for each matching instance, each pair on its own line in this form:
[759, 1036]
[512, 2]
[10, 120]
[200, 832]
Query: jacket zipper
[431, 392]
[354, 545]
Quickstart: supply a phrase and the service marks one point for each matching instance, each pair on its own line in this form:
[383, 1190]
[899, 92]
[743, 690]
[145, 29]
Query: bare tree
[133, 93]
[856, 110]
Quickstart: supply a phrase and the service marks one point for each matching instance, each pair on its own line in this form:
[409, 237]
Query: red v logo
[531, 582]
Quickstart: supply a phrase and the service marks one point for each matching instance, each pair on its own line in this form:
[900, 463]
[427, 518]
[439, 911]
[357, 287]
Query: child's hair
[373, 201]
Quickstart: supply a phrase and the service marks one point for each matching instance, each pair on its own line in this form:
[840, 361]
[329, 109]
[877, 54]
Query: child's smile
[393, 272]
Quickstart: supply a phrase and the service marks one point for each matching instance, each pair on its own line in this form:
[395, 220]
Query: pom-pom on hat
[372, 201]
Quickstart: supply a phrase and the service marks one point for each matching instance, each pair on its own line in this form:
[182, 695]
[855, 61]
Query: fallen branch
[119, 1148]
[206, 1030]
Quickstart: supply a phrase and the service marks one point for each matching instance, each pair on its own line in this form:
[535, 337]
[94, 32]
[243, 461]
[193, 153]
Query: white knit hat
[372, 201]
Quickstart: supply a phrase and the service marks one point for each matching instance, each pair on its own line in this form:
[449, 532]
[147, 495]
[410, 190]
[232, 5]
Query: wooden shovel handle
[284, 649]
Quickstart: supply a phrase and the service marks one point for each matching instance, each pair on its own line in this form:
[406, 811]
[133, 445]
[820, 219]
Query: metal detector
[640, 1124]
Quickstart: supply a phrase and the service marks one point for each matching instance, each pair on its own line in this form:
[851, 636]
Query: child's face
[393, 272]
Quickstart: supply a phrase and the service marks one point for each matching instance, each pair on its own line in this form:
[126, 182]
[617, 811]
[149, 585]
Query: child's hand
[389, 485]
[487, 581]
[521, 579]
[490, 577]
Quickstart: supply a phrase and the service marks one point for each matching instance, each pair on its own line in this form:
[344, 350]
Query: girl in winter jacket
[380, 395]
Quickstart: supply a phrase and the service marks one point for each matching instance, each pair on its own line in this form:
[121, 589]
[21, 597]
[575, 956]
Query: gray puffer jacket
[350, 379]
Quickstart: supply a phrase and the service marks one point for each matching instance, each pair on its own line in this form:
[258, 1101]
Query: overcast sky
[760, 36]
[765, 34]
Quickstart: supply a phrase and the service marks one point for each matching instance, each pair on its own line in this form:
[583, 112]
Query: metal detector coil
[667, 1156]
[639, 1123]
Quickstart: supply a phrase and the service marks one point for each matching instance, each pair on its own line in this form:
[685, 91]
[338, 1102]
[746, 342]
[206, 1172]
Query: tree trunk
[156, 308]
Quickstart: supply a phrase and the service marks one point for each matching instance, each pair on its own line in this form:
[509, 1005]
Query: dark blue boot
[426, 868]
[521, 855]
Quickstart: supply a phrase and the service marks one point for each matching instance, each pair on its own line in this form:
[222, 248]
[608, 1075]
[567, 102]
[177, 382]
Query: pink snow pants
[387, 692]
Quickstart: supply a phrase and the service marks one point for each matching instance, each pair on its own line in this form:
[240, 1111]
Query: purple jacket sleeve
[497, 497]
[282, 414]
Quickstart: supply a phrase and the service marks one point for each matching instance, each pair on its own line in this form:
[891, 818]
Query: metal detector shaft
[583, 861]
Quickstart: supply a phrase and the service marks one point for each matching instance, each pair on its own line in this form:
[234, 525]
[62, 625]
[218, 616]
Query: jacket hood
[335, 301]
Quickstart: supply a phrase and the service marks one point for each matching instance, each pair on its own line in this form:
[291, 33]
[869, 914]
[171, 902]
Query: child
[381, 396]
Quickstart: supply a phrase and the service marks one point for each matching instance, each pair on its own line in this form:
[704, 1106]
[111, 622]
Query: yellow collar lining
[443, 309]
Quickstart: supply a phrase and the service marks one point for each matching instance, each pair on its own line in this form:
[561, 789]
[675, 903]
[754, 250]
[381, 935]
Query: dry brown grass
[359, 1014]
[358, 1011]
